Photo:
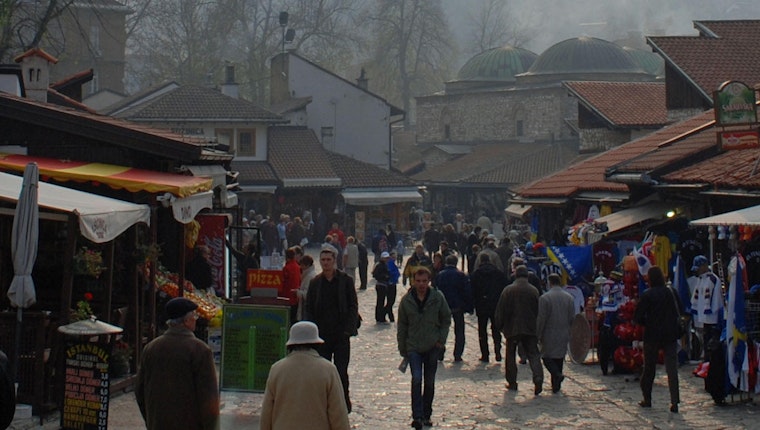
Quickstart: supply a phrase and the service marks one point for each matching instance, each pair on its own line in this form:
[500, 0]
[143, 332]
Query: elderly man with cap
[303, 390]
[489, 248]
[176, 384]
[706, 300]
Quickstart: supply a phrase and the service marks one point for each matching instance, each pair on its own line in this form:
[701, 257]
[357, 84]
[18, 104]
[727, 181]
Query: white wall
[360, 120]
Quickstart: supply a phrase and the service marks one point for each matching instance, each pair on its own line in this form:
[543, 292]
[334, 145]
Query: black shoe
[362, 288]
[391, 318]
[417, 424]
[498, 356]
[512, 387]
[674, 408]
[457, 359]
[427, 423]
[537, 389]
[645, 403]
[523, 361]
[349, 406]
[484, 359]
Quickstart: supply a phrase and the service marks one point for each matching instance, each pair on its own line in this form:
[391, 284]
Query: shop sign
[739, 139]
[734, 103]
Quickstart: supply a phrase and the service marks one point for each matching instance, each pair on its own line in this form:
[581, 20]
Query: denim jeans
[423, 367]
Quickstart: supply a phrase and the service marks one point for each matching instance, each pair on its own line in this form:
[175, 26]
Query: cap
[699, 260]
[179, 307]
[304, 333]
[384, 254]
[490, 237]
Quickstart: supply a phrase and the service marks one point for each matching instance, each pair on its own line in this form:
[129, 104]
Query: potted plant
[88, 262]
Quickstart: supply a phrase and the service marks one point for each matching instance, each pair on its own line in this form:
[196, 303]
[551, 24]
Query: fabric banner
[574, 260]
[212, 235]
[681, 285]
[736, 329]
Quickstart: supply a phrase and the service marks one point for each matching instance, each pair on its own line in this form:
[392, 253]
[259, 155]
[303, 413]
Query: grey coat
[556, 311]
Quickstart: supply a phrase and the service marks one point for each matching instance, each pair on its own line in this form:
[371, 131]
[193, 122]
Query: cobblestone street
[472, 395]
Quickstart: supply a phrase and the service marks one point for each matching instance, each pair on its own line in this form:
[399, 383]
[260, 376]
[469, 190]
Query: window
[224, 138]
[95, 40]
[247, 142]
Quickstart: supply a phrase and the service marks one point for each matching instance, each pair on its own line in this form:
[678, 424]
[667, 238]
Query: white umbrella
[24, 244]
[24, 240]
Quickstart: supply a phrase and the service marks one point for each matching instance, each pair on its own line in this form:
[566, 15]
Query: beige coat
[304, 392]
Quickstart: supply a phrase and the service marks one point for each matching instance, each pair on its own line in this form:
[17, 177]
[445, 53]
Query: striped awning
[117, 177]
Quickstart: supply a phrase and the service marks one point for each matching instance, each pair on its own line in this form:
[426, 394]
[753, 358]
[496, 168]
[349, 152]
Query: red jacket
[291, 278]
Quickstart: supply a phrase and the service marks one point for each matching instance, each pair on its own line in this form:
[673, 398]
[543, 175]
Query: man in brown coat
[515, 316]
[176, 384]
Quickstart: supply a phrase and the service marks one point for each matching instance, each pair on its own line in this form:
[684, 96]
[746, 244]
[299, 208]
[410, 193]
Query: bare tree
[412, 49]
[25, 24]
[494, 25]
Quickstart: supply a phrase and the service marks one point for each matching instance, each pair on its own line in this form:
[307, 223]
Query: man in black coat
[363, 263]
[487, 284]
[332, 305]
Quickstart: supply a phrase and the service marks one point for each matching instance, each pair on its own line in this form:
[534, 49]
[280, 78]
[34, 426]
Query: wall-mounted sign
[735, 104]
[739, 139]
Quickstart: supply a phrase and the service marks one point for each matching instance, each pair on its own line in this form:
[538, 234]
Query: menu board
[86, 386]
[253, 338]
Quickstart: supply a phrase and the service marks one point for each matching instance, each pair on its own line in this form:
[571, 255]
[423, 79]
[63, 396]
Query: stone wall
[601, 139]
[492, 116]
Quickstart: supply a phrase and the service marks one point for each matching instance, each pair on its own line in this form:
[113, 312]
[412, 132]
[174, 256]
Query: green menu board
[253, 338]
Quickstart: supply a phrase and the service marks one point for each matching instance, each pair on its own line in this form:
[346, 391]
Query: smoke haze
[550, 21]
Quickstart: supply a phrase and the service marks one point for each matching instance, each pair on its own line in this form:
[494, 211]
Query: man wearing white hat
[303, 389]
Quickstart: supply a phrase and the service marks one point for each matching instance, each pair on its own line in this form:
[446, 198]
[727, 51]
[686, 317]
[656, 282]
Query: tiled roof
[589, 175]
[358, 174]
[668, 155]
[254, 172]
[723, 51]
[194, 103]
[500, 163]
[290, 105]
[731, 169]
[624, 104]
[296, 153]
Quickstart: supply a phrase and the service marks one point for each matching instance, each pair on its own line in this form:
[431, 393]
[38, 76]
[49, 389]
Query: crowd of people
[533, 313]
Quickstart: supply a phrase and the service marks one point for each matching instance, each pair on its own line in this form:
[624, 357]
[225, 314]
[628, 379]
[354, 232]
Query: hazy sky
[553, 21]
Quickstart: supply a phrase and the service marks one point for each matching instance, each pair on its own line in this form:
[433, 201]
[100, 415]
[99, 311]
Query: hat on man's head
[304, 333]
[490, 237]
[179, 307]
[384, 254]
[699, 260]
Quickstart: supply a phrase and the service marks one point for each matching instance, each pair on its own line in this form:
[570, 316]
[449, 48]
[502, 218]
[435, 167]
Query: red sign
[739, 139]
[260, 278]
[212, 235]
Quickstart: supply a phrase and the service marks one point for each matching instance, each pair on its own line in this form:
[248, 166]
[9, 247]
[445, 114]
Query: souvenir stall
[732, 369]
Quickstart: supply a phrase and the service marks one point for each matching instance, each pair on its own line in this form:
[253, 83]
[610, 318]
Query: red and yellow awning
[117, 177]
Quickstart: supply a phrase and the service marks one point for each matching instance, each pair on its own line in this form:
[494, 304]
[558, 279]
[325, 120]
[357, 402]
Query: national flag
[574, 260]
[736, 329]
[681, 285]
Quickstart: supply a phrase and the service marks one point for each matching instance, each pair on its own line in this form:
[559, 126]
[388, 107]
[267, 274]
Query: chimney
[35, 68]
[230, 87]
[362, 81]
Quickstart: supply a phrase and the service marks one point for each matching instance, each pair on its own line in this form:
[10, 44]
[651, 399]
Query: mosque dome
[647, 60]
[497, 64]
[584, 55]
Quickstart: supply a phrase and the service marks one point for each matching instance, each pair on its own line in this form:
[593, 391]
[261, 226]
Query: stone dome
[497, 64]
[647, 60]
[584, 55]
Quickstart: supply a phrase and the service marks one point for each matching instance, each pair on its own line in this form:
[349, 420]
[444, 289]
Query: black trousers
[483, 319]
[338, 350]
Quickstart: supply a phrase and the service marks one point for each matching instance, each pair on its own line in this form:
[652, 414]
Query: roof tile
[624, 104]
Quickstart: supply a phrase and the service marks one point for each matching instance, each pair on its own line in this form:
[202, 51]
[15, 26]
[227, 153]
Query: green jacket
[421, 325]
